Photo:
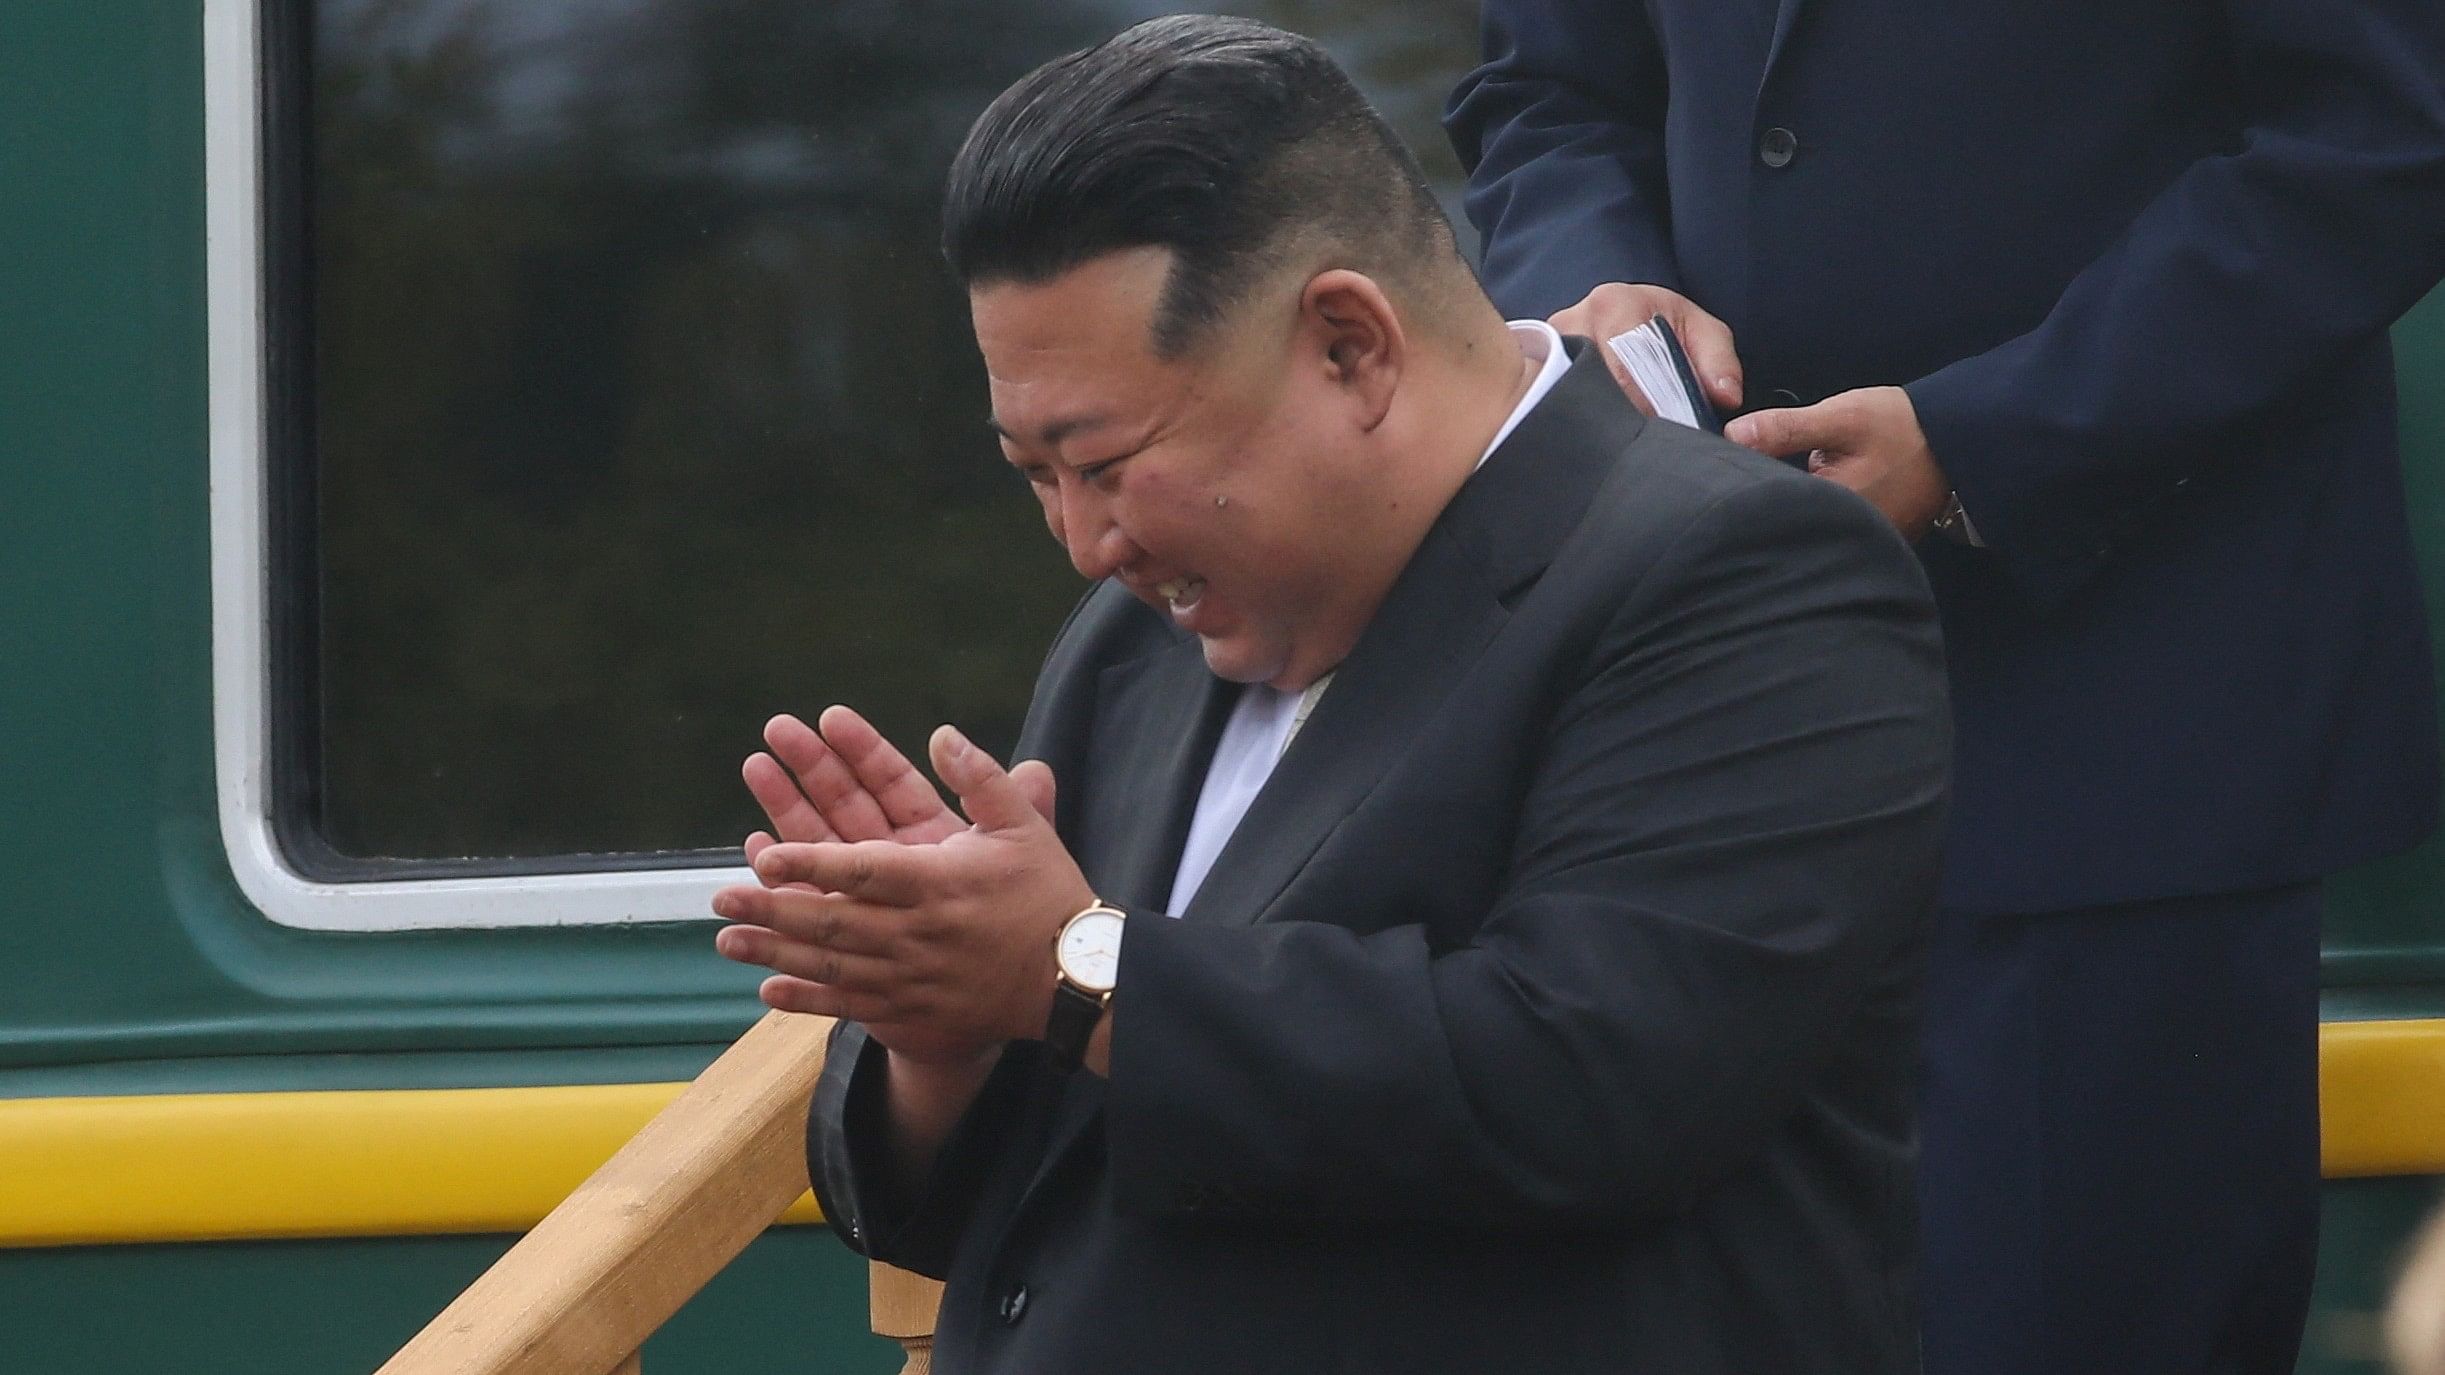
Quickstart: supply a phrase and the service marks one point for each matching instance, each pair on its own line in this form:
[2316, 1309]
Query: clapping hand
[848, 783]
[883, 905]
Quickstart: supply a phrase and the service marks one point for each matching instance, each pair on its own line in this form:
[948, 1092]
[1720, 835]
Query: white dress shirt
[1264, 720]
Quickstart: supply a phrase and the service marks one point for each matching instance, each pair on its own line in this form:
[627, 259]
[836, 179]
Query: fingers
[791, 994]
[903, 793]
[852, 991]
[777, 793]
[1614, 307]
[1708, 342]
[834, 921]
[993, 800]
[878, 871]
[788, 994]
[1827, 425]
[1035, 779]
[823, 964]
[758, 844]
[847, 809]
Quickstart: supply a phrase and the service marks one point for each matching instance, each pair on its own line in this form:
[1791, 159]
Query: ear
[1357, 339]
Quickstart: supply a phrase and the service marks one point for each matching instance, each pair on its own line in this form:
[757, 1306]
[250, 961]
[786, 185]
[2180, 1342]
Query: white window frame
[241, 664]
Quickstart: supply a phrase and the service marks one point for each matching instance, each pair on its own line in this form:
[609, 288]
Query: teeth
[1180, 592]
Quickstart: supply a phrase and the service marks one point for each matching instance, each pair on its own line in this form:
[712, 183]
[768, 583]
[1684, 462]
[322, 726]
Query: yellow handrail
[582, 1291]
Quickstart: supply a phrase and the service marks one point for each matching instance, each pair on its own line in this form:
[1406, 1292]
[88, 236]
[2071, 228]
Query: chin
[1235, 661]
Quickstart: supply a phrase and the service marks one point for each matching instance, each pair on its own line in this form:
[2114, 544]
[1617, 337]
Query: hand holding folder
[1659, 366]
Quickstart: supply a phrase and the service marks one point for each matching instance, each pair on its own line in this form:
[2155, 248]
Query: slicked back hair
[1240, 147]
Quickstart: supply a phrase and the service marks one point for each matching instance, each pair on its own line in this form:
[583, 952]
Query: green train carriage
[435, 433]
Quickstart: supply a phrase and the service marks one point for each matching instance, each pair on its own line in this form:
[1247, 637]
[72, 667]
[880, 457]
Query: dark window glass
[620, 402]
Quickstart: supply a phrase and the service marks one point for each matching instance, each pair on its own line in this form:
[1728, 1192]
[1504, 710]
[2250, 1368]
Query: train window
[609, 398]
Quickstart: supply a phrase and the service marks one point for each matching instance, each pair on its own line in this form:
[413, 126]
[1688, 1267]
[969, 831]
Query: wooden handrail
[903, 1307]
[580, 1293]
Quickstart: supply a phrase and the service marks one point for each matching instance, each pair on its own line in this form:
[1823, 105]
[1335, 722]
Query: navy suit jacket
[1550, 1010]
[2135, 261]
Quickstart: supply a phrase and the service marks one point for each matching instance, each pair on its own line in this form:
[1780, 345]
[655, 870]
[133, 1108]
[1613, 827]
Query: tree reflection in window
[642, 409]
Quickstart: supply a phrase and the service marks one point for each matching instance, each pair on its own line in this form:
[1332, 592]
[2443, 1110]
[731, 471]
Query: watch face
[1090, 949]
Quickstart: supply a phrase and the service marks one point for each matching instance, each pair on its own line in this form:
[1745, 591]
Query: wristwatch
[1086, 961]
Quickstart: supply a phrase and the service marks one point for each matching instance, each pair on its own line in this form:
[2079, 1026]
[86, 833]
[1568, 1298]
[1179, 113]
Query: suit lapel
[1429, 630]
[1156, 721]
[1786, 14]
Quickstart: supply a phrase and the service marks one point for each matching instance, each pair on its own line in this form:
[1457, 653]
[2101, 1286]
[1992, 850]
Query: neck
[1468, 392]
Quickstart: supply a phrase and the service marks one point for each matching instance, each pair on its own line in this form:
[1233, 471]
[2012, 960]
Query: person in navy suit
[2098, 293]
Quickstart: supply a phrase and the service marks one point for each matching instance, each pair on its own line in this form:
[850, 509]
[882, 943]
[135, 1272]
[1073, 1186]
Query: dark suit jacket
[1552, 1007]
[2135, 262]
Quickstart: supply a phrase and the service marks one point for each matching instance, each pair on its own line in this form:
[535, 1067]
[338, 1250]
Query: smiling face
[1240, 489]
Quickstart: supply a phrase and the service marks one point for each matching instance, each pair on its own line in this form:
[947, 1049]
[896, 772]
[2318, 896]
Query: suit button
[1783, 396]
[1014, 1305]
[1777, 146]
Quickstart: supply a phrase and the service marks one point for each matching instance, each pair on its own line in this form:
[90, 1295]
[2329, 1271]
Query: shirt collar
[1540, 341]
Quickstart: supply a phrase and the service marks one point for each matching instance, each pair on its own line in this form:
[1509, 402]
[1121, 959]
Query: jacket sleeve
[846, 1140]
[1730, 842]
[1562, 130]
[2251, 275]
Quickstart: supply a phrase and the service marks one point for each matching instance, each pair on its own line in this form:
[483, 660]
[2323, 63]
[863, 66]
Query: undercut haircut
[1241, 148]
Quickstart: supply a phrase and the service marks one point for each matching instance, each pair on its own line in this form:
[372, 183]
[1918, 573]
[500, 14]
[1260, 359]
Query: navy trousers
[2119, 1168]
